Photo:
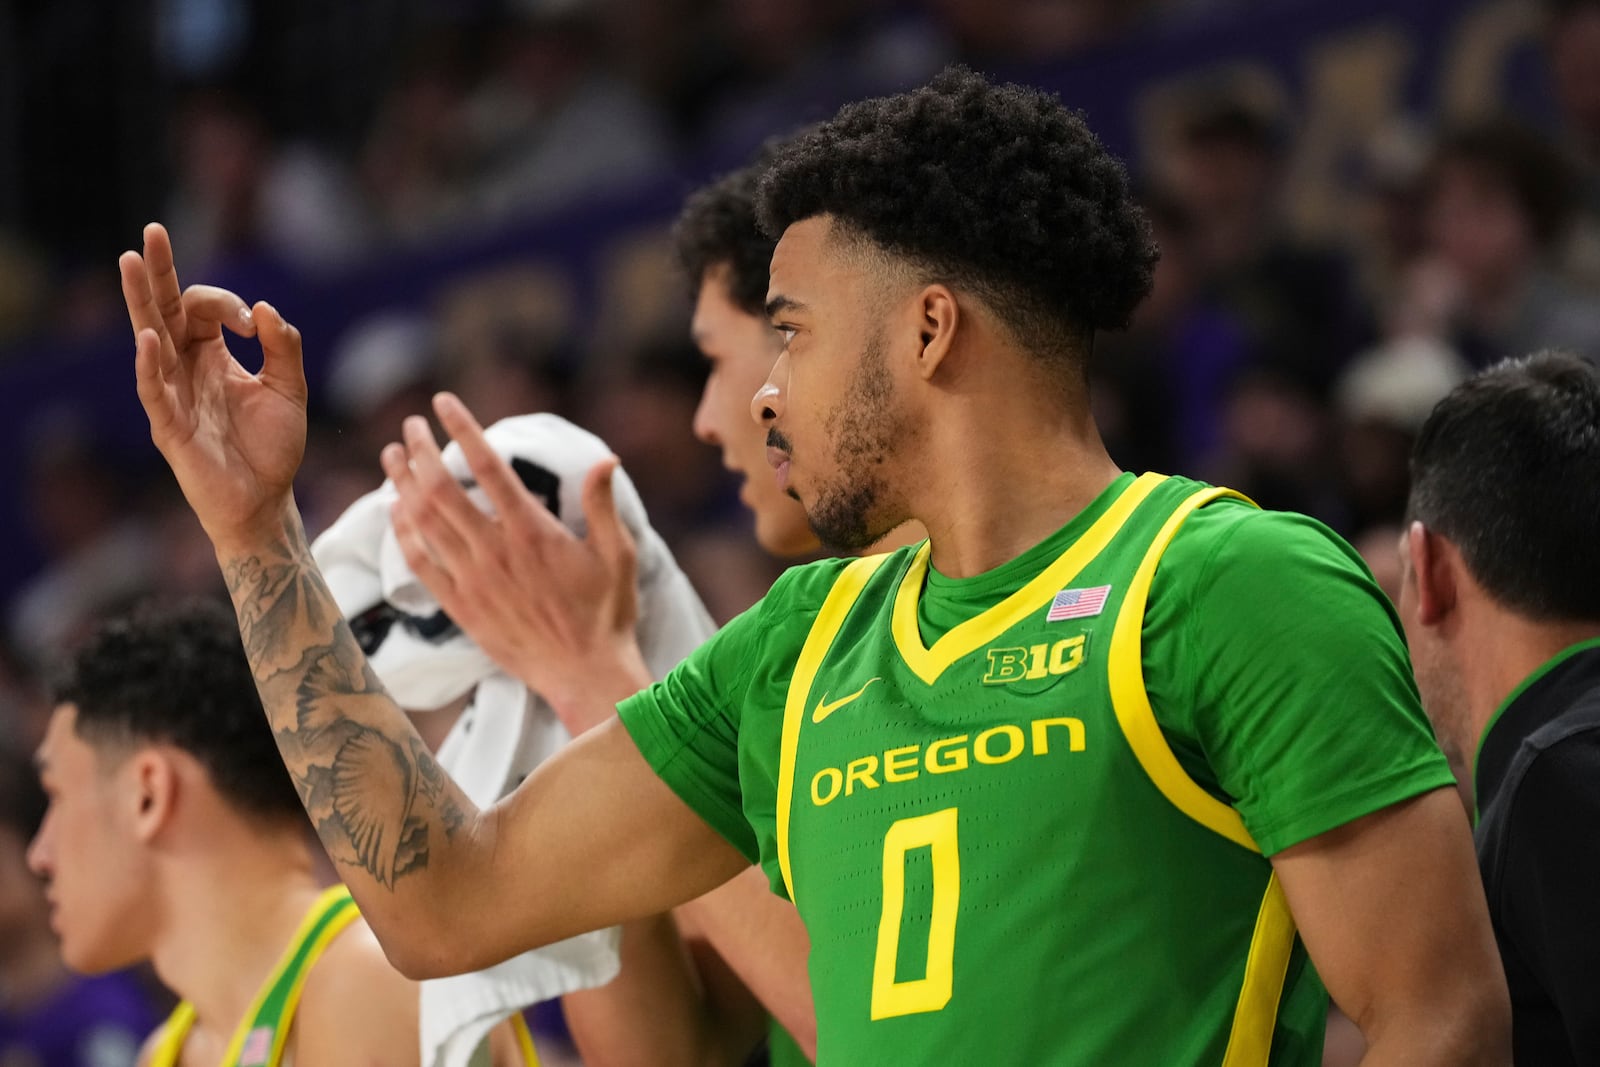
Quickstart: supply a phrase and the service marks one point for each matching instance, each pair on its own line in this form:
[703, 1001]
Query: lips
[779, 459]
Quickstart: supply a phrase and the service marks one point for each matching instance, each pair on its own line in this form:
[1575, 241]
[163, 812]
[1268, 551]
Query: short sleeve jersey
[1025, 815]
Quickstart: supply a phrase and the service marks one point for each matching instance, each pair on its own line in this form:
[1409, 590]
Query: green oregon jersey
[1021, 821]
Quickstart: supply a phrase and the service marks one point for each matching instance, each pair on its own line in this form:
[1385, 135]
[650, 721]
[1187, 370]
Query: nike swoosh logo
[824, 709]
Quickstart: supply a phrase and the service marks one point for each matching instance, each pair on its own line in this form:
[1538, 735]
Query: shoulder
[807, 585]
[1233, 534]
[356, 1004]
[1560, 775]
[1229, 552]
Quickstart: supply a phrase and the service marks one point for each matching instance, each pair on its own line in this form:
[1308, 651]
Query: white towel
[425, 662]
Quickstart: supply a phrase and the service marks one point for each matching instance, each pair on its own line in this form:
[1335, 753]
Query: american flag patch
[1078, 603]
[257, 1047]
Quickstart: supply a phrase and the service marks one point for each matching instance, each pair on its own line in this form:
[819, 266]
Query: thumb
[283, 368]
[607, 533]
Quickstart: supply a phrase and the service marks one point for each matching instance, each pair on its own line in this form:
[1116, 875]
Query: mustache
[778, 441]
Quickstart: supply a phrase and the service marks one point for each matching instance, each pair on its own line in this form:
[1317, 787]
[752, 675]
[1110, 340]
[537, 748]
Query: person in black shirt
[1501, 604]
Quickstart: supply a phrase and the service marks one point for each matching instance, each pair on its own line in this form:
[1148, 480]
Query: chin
[788, 538]
[85, 956]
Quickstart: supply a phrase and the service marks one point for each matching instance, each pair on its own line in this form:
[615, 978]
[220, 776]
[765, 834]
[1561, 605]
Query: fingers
[153, 392]
[163, 280]
[142, 311]
[432, 502]
[283, 366]
[607, 533]
[506, 493]
[209, 308]
[418, 556]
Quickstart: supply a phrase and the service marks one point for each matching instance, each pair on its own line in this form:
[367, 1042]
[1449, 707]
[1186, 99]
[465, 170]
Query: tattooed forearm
[374, 792]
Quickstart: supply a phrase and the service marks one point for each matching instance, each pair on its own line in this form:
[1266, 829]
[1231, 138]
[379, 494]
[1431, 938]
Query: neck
[230, 912]
[1014, 466]
[1506, 649]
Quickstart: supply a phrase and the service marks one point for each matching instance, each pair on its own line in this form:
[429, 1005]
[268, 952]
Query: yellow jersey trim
[176, 1029]
[1131, 702]
[1256, 1014]
[519, 1026]
[292, 1002]
[835, 607]
[983, 628]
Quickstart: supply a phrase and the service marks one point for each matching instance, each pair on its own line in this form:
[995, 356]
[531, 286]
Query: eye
[787, 333]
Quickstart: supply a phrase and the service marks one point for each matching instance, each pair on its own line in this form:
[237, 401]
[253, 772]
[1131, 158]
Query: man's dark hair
[999, 190]
[1521, 160]
[22, 799]
[717, 228]
[1507, 467]
[176, 674]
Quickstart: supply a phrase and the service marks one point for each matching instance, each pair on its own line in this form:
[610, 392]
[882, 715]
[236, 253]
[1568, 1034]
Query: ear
[153, 788]
[1432, 567]
[938, 318]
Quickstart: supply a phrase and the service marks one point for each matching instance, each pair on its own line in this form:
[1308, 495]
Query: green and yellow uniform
[1019, 839]
[263, 1033]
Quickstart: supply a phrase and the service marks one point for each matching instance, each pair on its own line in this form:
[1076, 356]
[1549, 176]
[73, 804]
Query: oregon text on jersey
[948, 755]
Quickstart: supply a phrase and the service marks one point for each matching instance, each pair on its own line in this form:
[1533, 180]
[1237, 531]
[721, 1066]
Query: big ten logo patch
[1034, 667]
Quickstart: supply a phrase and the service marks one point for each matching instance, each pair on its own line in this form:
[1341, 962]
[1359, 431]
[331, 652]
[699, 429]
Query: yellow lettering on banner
[1041, 735]
[947, 754]
[900, 764]
[1013, 736]
[831, 774]
[860, 770]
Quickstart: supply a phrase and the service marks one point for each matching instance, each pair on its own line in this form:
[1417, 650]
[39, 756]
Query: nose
[39, 857]
[704, 425]
[767, 405]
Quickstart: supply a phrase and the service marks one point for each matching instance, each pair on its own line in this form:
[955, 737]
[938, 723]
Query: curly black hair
[176, 674]
[717, 227]
[998, 189]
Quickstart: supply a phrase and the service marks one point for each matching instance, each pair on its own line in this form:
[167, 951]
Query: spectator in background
[1498, 205]
[551, 124]
[97, 555]
[1573, 46]
[1501, 604]
[48, 1016]
[237, 192]
[1158, 388]
[1297, 300]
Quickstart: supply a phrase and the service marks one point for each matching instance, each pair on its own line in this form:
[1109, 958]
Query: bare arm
[593, 838]
[1392, 911]
[761, 937]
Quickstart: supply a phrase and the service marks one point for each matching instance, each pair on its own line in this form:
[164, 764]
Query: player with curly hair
[1110, 769]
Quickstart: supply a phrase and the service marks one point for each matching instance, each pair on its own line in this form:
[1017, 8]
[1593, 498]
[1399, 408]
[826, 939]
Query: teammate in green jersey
[173, 837]
[1068, 784]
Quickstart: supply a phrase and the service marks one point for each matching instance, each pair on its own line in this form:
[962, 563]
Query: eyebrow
[783, 303]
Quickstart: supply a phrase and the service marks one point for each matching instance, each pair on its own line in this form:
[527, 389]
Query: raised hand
[233, 439]
[552, 609]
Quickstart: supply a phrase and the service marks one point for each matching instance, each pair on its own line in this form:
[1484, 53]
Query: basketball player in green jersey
[1111, 770]
[173, 837]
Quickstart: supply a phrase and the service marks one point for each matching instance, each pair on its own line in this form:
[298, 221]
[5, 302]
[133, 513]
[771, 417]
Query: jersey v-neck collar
[1071, 548]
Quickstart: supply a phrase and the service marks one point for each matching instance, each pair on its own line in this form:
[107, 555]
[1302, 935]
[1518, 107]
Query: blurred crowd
[1292, 366]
